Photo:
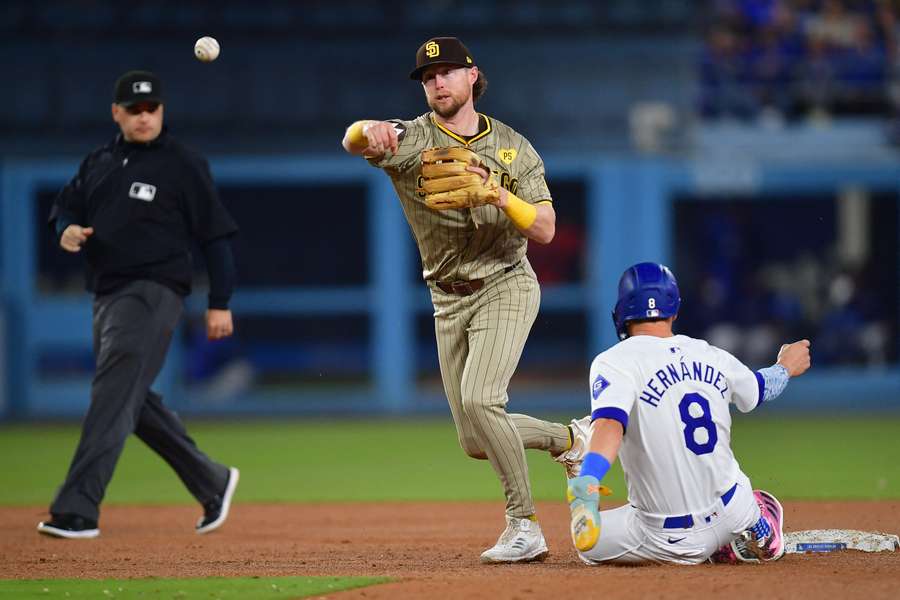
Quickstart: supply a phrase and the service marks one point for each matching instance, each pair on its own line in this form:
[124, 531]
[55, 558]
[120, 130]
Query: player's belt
[470, 286]
[687, 521]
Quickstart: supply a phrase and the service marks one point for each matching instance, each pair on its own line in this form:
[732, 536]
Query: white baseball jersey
[672, 396]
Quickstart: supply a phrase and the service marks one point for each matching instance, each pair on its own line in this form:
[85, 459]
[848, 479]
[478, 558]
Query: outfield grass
[370, 460]
[210, 588]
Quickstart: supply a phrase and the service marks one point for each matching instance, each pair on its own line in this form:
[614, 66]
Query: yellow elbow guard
[355, 134]
[521, 213]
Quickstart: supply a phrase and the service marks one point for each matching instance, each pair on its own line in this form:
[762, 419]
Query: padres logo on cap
[441, 51]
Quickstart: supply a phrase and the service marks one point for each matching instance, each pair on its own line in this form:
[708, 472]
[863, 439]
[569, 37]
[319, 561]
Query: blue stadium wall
[629, 205]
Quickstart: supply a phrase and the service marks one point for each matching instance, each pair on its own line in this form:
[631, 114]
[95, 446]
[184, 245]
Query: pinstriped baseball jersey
[480, 337]
[465, 243]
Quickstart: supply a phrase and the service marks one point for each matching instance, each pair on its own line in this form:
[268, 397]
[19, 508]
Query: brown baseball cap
[441, 51]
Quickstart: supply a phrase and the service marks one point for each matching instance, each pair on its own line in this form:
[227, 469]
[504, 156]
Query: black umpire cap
[138, 86]
[441, 51]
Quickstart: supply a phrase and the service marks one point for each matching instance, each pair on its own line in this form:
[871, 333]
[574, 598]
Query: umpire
[135, 207]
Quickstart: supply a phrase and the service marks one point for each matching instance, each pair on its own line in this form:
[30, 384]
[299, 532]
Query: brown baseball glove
[447, 184]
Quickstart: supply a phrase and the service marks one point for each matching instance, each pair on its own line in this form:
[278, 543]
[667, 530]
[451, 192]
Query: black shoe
[215, 511]
[69, 526]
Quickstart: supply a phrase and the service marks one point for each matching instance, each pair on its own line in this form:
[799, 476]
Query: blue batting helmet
[646, 291]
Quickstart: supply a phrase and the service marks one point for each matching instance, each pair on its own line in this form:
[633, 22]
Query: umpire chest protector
[146, 203]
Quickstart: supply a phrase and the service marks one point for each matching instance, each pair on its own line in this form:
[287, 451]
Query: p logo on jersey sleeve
[600, 384]
[399, 127]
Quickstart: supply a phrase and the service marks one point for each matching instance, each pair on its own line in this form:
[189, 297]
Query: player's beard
[448, 111]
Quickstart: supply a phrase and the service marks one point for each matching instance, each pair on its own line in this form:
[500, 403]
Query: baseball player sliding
[660, 402]
[474, 193]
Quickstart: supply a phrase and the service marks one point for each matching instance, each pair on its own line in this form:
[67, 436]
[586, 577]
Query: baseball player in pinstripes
[661, 402]
[485, 293]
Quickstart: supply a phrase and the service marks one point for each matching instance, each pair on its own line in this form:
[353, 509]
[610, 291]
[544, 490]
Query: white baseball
[206, 49]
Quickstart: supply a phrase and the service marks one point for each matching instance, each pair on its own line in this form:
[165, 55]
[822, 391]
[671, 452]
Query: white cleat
[572, 458]
[521, 541]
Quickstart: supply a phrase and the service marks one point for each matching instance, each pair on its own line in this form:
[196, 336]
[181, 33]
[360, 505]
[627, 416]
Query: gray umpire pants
[132, 330]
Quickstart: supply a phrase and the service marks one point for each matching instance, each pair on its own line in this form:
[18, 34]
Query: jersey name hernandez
[672, 396]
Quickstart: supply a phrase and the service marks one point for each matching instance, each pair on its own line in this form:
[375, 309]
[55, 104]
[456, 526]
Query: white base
[829, 540]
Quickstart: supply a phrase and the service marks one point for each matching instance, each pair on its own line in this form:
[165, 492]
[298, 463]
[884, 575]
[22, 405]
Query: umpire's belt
[469, 287]
[687, 521]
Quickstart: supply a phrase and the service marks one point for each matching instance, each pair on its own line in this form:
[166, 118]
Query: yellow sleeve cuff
[521, 213]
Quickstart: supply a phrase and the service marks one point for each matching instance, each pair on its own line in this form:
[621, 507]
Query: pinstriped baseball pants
[480, 340]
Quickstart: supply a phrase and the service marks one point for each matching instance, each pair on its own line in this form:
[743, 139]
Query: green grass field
[209, 588]
[313, 460]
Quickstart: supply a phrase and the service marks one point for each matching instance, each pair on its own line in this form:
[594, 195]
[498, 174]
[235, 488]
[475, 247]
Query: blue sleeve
[772, 380]
[611, 412]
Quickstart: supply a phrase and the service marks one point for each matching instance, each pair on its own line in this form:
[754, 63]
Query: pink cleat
[772, 547]
[746, 547]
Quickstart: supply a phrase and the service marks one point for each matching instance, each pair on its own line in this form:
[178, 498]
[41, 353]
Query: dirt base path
[432, 549]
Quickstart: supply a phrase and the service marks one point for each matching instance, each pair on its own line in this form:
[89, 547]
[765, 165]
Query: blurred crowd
[747, 295]
[783, 60]
[837, 307]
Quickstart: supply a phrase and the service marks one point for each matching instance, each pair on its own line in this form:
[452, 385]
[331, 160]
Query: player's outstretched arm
[370, 138]
[793, 360]
[583, 493]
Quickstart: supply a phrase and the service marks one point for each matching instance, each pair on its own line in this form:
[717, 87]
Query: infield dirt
[432, 550]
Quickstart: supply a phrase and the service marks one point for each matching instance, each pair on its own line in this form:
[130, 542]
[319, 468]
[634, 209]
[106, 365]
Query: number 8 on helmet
[646, 291]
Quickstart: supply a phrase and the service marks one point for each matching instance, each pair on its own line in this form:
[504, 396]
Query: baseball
[206, 49]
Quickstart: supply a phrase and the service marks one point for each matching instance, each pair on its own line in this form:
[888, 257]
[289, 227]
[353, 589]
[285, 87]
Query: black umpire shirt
[146, 203]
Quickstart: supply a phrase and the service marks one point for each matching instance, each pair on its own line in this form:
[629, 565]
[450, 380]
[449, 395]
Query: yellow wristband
[355, 135]
[521, 213]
